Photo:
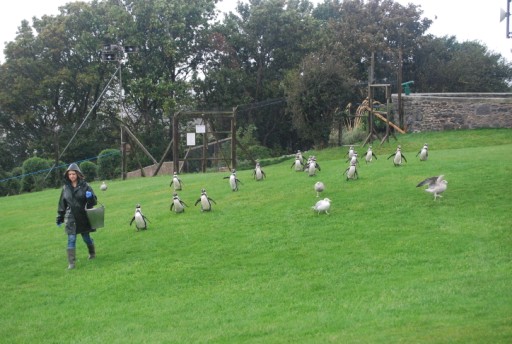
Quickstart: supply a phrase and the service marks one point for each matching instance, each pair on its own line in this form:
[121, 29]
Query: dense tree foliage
[286, 64]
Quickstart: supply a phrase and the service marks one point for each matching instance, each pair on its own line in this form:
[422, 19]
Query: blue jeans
[72, 240]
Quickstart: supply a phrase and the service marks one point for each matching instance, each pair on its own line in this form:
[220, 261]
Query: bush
[12, 186]
[89, 170]
[109, 163]
[34, 173]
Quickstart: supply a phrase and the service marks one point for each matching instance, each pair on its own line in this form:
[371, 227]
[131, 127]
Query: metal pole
[123, 144]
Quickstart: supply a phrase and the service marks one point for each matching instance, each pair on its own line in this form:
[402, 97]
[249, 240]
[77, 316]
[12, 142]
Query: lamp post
[116, 53]
[506, 15]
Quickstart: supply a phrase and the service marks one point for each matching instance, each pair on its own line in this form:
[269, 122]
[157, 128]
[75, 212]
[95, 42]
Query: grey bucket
[96, 216]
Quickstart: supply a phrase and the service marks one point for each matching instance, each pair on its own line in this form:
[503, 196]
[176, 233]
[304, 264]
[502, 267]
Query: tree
[441, 64]
[315, 92]
[249, 54]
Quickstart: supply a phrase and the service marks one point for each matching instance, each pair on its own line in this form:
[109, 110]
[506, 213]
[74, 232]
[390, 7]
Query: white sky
[467, 20]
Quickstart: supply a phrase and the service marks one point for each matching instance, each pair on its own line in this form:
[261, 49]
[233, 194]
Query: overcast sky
[467, 20]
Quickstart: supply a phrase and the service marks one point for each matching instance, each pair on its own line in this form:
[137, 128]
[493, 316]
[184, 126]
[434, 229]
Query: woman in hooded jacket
[76, 195]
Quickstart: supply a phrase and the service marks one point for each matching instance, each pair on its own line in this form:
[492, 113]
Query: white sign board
[191, 139]
[200, 128]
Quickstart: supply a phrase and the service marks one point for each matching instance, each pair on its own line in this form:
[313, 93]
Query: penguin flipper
[403, 157]
[199, 200]
[172, 205]
[374, 156]
[210, 199]
[391, 156]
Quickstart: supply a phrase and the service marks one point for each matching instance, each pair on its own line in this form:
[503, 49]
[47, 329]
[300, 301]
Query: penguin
[351, 171]
[398, 156]
[369, 155]
[436, 185]
[322, 206]
[103, 187]
[206, 204]
[139, 218]
[423, 153]
[353, 160]
[319, 188]
[299, 156]
[178, 184]
[258, 172]
[350, 152]
[178, 204]
[312, 167]
[298, 163]
[233, 180]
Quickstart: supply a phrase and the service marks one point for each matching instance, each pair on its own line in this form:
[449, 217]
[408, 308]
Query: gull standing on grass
[436, 185]
[322, 206]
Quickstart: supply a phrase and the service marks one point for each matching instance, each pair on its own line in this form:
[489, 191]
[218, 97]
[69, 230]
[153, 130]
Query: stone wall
[447, 111]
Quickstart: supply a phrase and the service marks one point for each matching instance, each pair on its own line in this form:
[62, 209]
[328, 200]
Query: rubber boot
[92, 251]
[71, 258]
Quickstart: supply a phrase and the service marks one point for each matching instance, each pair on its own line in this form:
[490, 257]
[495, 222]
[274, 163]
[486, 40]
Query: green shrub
[34, 173]
[109, 163]
[89, 170]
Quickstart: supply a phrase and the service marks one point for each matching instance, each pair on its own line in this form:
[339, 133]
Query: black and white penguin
[103, 187]
[312, 166]
[258, 172]
[423, 153]
[139, 218]
[436, 185]
[176, 181]
[398, 157]
[319, 188]
[353, 159]
[298, 163]
[369, 155]
[177, 204]
[350, 152]
[351, 171]
[206, 204]
[233, 180]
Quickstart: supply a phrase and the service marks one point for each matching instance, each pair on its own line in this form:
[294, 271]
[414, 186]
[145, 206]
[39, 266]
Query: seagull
[103, 187]
[398, 156]
[423, 153]
[436, 185]
[369, 155]
[322, 206]
[319, 187]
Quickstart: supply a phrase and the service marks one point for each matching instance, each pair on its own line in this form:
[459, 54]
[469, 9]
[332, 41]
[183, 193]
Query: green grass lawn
[387, 265]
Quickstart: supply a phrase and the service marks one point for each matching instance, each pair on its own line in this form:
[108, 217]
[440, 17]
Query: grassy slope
[387, 265]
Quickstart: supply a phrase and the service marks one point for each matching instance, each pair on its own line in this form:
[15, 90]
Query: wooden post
[233, 139]
[176, 142]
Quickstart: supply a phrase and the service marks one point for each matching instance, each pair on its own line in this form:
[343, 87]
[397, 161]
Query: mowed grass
[387, 265]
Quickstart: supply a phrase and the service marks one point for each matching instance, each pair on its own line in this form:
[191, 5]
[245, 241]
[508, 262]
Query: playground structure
[381, 115]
